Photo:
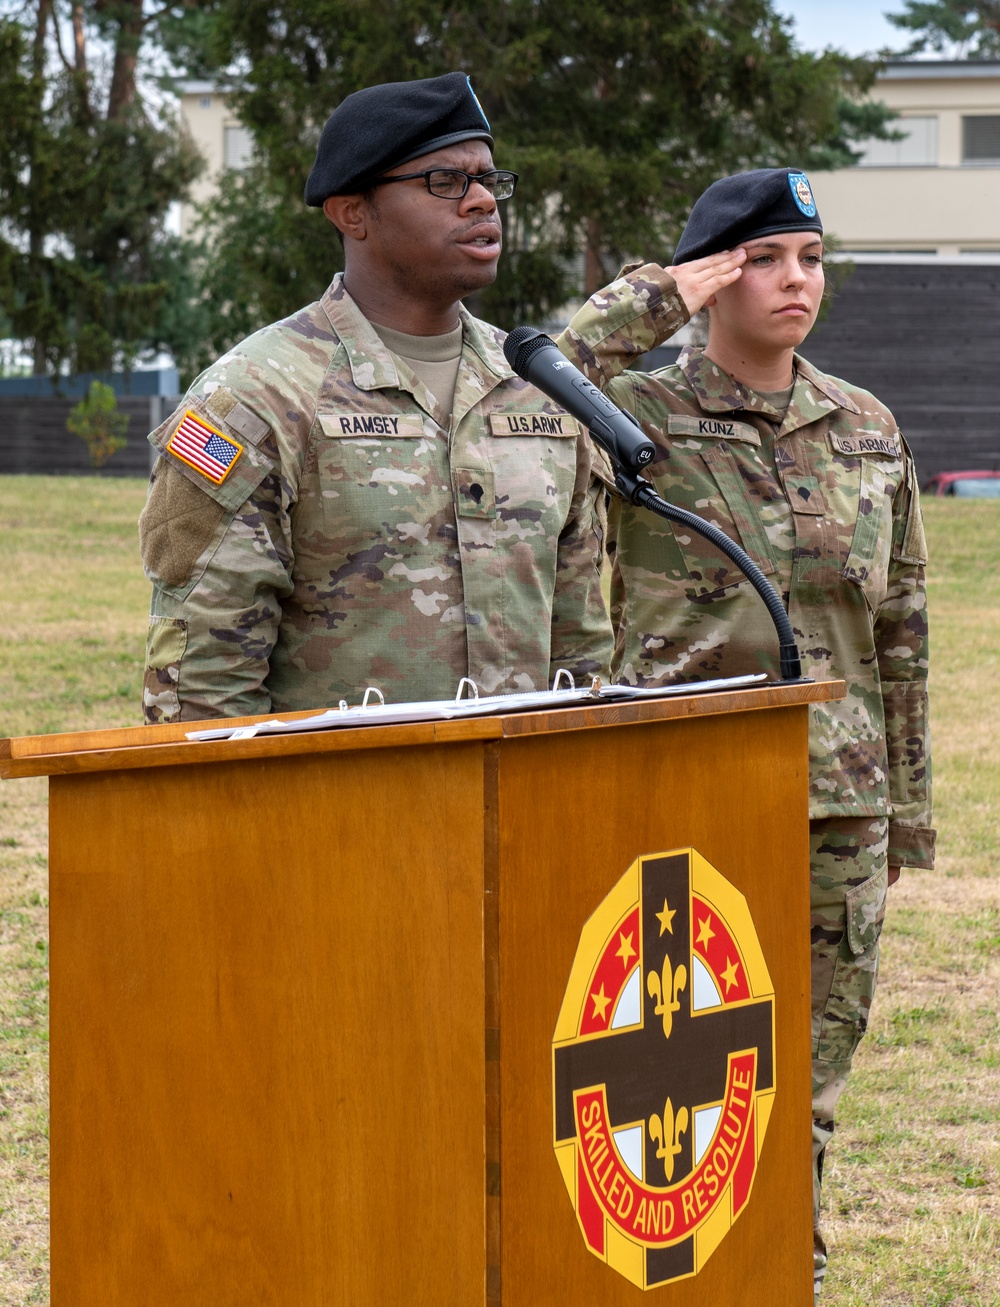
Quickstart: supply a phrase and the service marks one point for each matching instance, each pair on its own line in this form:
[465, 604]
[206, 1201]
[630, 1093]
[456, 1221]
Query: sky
[857, 26]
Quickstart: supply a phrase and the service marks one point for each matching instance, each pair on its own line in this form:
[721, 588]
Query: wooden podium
[305, 990]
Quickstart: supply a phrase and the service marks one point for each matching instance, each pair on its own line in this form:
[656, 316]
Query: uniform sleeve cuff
[654, 291]
[911, 846]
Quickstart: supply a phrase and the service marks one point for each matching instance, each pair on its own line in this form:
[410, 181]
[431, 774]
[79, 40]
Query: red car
[968, 485]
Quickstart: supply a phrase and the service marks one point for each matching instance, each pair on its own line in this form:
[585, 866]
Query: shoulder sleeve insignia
[204, 447]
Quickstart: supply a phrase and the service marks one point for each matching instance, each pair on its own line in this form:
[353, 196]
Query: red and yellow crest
[663, 1068]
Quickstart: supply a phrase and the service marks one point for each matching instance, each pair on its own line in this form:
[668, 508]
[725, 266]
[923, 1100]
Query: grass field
[914, 1172]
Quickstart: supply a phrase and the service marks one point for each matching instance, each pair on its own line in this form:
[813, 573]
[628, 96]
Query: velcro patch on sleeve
[535, 424]
[223, 404]
[204, 447]
[867, 443]
[348, 426]
[247, 424]
[682, 424]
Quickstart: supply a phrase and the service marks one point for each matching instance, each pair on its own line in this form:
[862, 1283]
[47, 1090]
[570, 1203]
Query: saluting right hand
[700, 279]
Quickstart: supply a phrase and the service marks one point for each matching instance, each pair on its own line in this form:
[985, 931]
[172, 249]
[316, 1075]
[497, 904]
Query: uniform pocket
[367, 485]
[176, 526]
[868, 561]
[166, 642]
[728, 506]
[856, 974]
[865, 908]
[194, 443]
[534, 478]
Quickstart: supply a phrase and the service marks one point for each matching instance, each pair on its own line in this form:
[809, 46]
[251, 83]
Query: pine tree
[616, 115]
[952, 26]
[86, 178]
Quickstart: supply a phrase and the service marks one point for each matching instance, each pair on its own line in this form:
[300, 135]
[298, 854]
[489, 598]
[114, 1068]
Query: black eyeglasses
[453, 183]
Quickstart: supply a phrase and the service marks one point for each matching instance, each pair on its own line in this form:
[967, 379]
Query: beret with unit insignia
[745, 207]
[382, 126]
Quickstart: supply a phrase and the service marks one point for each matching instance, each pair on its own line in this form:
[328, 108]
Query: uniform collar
[814, 396]
[373, 366]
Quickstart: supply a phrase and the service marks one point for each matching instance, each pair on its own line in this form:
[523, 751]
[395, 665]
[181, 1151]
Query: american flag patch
[204, 448]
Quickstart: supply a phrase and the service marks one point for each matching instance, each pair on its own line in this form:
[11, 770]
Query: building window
[237, 149]
[981, 139]
[918, 146]
[205, 102]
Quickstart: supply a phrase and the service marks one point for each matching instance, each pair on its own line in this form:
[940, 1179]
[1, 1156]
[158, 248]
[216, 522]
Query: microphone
[538, 359]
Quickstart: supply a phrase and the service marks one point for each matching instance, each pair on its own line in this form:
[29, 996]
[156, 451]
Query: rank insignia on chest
[204, 447]
[663, 1068]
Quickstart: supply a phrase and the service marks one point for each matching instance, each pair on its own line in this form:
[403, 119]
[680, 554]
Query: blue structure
[158, 381]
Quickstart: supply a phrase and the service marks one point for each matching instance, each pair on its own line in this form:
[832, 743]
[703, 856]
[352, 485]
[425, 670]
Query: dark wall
[924, 338]
[33, 437]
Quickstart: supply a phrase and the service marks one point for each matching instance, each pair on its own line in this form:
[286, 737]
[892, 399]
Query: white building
[221, 139]
[937, 190]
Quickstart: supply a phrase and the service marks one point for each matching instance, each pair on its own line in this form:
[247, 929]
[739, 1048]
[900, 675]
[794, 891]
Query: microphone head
[521, 343]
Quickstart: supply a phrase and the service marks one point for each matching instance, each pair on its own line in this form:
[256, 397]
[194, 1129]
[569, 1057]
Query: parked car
[968, 485]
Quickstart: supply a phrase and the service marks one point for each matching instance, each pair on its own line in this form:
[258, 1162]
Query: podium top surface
[129, 747]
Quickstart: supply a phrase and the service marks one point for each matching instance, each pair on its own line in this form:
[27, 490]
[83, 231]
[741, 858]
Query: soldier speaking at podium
[365, 493]
[813, 478]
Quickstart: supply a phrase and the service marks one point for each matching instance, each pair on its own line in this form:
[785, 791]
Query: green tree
[951, 26]
[98, 422]
[86, 179]
[616, 115]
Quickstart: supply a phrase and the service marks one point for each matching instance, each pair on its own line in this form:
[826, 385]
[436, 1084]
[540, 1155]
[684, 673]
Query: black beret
[382, 126]
[744, 207]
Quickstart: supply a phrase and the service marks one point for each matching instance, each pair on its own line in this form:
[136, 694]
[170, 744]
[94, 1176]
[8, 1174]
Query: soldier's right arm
[219, 556]
[644, 306]
[618, 324]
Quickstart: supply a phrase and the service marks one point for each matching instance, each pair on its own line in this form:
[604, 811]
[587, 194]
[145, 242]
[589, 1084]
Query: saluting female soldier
[813, 478]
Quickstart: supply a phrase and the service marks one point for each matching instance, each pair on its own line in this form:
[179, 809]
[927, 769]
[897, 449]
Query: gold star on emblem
[600, 1001]
[666, 918]
[706, 932]
[626, 951]
[729, 975]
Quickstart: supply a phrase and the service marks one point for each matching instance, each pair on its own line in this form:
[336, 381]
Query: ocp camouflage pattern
[847, 899]
[824, 499]
[364, 538]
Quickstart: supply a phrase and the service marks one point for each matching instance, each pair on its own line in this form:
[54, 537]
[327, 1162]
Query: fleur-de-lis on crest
[666, 1134]
[666, 989]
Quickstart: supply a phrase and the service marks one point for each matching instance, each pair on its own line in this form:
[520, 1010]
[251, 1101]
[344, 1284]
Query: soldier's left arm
[581, 638]
[902, 649]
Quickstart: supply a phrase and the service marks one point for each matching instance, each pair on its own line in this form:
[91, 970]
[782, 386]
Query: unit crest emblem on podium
[662, 1068]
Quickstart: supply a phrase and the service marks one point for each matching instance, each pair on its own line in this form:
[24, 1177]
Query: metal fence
[34, 437]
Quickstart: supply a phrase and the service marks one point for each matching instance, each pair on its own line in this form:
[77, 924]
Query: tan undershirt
[433, 359]
[779, 399]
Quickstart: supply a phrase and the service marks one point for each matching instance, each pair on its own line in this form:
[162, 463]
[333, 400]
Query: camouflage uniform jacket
[825, 501]
[359, 538]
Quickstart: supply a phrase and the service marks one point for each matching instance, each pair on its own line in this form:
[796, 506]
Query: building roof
[914, 69]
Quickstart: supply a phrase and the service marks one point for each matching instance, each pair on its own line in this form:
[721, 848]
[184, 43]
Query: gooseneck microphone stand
[536, 358]
[640, 492]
